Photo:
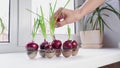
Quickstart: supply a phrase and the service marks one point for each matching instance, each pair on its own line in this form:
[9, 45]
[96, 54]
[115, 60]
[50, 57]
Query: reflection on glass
[45, 5]
[4, 15]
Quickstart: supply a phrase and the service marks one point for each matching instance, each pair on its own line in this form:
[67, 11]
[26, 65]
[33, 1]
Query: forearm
[88, 7]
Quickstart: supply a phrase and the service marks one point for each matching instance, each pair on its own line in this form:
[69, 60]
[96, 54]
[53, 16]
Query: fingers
[62, 17]
[59, 15]
[60, 24]
[59, 11]
[61, 20]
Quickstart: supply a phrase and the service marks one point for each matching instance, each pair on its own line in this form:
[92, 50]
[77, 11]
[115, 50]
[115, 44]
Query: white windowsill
[87, 58]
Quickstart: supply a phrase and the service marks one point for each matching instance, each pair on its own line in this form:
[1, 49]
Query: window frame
[12, 46]
[8, 24]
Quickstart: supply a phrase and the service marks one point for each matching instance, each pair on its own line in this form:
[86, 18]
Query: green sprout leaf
[35, 28]
[2, 26]
[52, 19]
[66, 3]
[32, 12]
[42, 23]
[39, 23]
[63, 8]
[52, 22]
[69, 32]
[55, 5]
[36, 14]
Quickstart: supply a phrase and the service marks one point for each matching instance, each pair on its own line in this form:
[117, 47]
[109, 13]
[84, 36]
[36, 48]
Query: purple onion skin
[48, 47]
[74, 44]
[32, 46]
[67, 44]
[42, 46]
[56, 44]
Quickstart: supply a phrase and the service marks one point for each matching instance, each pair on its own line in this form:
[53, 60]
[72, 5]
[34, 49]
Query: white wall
[112, 38]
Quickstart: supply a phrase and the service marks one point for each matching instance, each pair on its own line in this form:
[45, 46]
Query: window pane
[4, 15]
[45, 4]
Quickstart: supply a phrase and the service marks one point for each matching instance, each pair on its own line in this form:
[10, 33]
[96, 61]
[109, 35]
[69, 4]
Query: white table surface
[87, 58]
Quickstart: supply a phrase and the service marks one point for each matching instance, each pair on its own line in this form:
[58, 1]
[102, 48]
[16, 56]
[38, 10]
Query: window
[4, 15]
[18, 23]
[11, 26]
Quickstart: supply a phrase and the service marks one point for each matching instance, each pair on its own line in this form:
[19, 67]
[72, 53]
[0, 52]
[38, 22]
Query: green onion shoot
[52, 19]
[69, 32]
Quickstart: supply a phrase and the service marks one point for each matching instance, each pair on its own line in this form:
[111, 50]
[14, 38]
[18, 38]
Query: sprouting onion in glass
[32, 47]
[56, 44]
[70, 47]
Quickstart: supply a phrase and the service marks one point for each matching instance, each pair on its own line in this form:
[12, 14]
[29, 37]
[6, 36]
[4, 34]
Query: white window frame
[12, 46]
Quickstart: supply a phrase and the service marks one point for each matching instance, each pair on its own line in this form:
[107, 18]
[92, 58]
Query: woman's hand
[67, 16]
[64, 16]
